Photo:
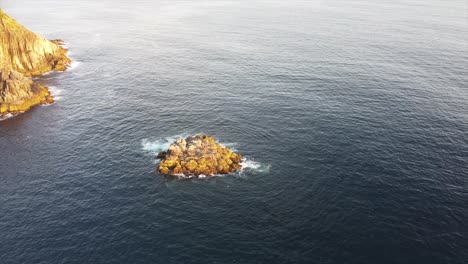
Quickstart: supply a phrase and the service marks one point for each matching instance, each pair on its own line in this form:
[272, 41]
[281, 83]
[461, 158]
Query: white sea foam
[232, 146]
[162, 144]
[56, 92]
[7, 116]
[251, 165]
[70, 53]
[73, 65]
[154, 146]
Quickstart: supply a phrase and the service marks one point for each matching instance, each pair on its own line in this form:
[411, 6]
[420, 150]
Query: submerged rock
[197, 155]
[22, 54]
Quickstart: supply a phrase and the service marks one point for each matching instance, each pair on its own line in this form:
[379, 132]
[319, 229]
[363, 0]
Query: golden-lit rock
[23, 54]
[18, 93]
[163, 170]
[191, 165]
[198, 155]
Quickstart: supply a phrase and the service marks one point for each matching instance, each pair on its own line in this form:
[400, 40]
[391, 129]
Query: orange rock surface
[197, 155]
[22, 54]
[19, 93]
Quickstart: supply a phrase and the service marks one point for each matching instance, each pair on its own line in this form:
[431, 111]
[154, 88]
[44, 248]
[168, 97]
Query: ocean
[352, 115]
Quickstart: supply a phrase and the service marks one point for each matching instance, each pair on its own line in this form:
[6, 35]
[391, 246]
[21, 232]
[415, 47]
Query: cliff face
[24, 53]
[18, 93]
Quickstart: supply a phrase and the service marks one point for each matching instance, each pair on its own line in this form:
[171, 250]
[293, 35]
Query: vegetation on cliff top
[9, 22]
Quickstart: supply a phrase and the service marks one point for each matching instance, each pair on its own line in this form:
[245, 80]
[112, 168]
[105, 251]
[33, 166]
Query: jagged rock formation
[24, 53]
[198, 155]
[19, 93]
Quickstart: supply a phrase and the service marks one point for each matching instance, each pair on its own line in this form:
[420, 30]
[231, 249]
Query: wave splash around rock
[198, 155]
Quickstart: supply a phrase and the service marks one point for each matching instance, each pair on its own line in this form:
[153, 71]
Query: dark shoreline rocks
[24, 54]
[198, 155]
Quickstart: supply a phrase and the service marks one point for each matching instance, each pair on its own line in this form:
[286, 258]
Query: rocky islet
[198, 155]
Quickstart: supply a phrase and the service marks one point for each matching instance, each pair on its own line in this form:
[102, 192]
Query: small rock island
[23, 54]
[198, 155]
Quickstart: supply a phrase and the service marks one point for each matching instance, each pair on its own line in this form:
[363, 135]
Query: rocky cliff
[22, 54]
[18, 93]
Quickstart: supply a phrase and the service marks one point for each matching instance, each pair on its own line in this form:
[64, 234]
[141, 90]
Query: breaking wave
[251, 165]
[7, 116]
[73, 65]
[158, 145]
[56, 92]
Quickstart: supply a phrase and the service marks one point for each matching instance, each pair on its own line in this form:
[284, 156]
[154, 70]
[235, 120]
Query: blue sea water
[353, 116]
